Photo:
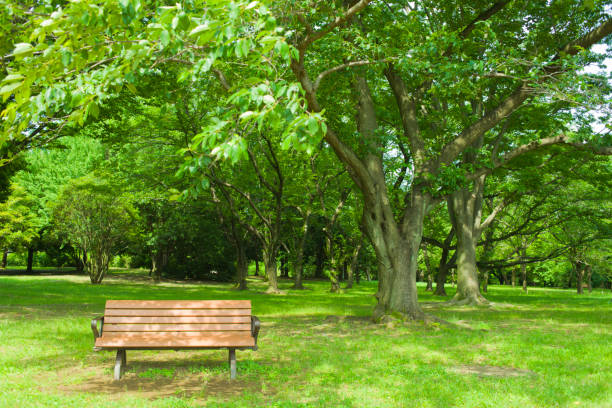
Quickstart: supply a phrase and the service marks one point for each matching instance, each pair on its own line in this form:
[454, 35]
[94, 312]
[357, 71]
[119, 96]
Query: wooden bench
[175, 325]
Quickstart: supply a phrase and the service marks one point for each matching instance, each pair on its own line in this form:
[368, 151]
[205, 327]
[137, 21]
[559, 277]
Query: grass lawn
[550, 348]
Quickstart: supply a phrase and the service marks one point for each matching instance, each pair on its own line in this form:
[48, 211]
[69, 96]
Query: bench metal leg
[120, 362]
[232, 363]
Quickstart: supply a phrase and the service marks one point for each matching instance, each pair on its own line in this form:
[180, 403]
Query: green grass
[552, 347]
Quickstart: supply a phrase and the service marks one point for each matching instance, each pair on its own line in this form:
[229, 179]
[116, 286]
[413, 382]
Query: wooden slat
[178, 304]
[175, 340]
[174, 327]
[177, 312]
[177, 319]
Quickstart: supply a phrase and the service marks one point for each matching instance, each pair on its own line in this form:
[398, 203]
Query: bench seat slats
[176, 327]
[177, 319]
[177, 312]
[178, 304]
[173, 340]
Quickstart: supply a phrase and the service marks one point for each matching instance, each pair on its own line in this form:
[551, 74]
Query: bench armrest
[255, 326]
[94, 326]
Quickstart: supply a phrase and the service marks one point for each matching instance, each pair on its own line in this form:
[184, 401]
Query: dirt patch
[492, 371]
[159, 375]
[184, 385]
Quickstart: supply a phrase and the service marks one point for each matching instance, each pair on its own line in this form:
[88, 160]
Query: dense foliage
[462, 141]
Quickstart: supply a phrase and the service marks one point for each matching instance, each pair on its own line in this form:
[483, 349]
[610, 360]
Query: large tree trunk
[462, 212]
[30, 260]
[269, 257]
[4, 259]
[396, 253]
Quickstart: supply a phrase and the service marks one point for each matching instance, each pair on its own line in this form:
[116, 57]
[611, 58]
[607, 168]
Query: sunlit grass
[551, 348]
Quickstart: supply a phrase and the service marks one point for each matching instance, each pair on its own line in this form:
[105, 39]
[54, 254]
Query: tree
[18, 223]
[97, 219]
[437, 79]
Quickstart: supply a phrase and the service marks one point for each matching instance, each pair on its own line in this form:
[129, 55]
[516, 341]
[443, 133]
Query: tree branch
[325, 73]
[317, 35]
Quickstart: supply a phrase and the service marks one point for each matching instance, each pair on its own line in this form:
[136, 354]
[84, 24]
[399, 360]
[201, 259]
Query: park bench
[175, 325]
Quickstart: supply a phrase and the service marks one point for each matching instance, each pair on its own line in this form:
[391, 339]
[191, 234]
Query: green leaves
[22, 49]
[8, 89]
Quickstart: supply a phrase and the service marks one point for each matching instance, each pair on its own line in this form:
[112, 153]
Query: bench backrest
[185, 316]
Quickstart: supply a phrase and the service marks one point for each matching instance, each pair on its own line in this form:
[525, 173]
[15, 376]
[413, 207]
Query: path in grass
[549, 348]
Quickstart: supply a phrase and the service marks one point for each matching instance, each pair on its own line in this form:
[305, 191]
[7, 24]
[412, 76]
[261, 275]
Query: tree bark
[579, 277]
[319, 261]
[30, 260]
[397, 256]
[444, 264]
[462, 210]
[352, 265]
[589, 276]
[4, 259]
[97, 265]
[269, 257]
[485, 280]
[298, 270]
[429, 287]
[242, 267]
[524, 275]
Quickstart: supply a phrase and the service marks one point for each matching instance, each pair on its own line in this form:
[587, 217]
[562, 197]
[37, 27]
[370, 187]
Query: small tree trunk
[503, 277]
[257, 266]
[513, 277]
[367, 273]
[579, 278]
[589, 276]
[485, 280]
[4, 259]
[333, 263]
[429, 271]
[441, 279]
[97, 266]
[30, 260]
[284, 268]
[153, 269]
[319, 262]
[298, 271]
[242, 267]
[524, 268]
[352, 266]
[269, 256]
